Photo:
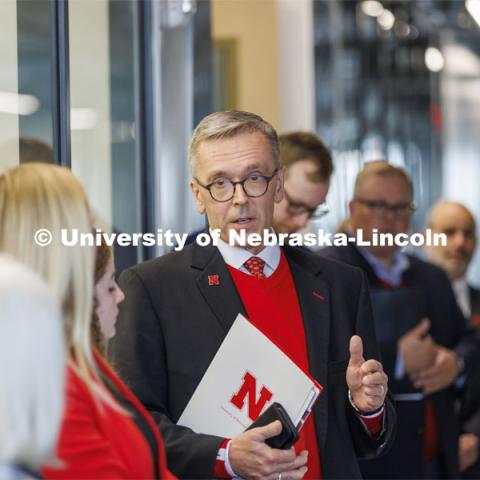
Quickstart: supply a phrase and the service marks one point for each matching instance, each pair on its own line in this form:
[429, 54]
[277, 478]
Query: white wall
[296, 65]
[9, 151]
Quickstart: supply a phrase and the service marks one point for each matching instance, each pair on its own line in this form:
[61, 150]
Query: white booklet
[248, 373]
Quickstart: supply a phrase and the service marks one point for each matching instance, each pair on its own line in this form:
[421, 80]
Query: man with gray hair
[455, 221]
[423, 339]
[180, 307]
[307, 165]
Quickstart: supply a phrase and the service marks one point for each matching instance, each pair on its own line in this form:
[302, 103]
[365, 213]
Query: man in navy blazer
[426, 360]
[179, 308]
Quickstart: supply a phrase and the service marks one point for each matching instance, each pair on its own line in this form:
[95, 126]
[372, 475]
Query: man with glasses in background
[179, 308]
[423, 339]
[308, 167]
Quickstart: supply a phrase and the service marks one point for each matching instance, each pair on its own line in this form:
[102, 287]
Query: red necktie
[255, 266]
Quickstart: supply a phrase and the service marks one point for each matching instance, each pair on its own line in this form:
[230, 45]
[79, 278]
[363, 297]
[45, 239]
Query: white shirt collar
[394, 275]
[237, 256]
[462, 294]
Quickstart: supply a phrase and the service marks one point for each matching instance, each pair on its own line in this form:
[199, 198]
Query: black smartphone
[289, 434]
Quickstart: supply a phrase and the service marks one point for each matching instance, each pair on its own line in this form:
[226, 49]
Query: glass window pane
[35, 80]
[102, 89]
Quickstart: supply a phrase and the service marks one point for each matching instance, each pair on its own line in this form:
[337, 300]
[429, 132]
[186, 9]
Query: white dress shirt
[462, 294]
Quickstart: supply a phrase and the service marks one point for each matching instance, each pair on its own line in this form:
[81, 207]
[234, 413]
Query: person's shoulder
[73, 380]
[332, 266]
[432, 276]
[345, 255]
[474, 290]
[79, 396]
[170, 262]
[427, 268]
[341, 253]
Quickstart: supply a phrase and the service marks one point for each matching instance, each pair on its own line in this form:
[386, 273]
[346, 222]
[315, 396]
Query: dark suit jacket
[172, 323]
[474, 300]
[435, 300]
[471, 397]
[470, 401]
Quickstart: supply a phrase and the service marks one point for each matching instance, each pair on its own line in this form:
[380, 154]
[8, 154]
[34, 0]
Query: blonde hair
[382, 168]
[39, 196]
[220, 125]
[104, 253]
[32, 355]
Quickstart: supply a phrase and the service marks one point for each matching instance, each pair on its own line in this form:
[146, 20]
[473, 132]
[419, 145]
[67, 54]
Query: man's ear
[197, 197]
[279, 185]
[351, 207]
[426, 247]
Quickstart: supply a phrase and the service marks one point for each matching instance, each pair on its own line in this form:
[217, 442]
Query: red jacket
[98, 442]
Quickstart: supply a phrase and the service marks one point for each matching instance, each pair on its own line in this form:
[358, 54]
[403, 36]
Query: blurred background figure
[108, 296]
[32, 359]
[105, 431]
[308, 168]
[35, 150]
[457, 223]
[421, 332]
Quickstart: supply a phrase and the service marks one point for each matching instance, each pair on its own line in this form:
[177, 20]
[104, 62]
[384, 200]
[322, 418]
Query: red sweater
[272, 306]
[98, 442]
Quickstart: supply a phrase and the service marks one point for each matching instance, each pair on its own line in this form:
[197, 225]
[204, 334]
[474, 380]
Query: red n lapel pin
[213, 280]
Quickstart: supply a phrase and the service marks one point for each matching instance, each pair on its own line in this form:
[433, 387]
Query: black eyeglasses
[223, 189]
[379, 207]
[297, 208]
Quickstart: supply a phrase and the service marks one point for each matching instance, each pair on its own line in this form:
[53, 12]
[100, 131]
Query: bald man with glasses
[424, 342]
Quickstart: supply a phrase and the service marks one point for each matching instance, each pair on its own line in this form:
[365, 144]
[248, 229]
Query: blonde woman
[31, 371]
[106, 433]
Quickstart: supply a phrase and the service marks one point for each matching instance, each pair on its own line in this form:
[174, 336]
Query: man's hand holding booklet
[249, 376]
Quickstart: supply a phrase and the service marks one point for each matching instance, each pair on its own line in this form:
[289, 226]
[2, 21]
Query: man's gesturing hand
[251, 457]
[366, 379]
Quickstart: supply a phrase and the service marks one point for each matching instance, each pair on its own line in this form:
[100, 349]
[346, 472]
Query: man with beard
[427, 347]
[457, 223]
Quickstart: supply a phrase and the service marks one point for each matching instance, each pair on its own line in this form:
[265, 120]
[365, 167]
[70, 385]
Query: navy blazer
[436, 301]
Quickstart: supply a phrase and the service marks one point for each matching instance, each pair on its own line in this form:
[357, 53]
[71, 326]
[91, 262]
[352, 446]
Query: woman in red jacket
[105, 432]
